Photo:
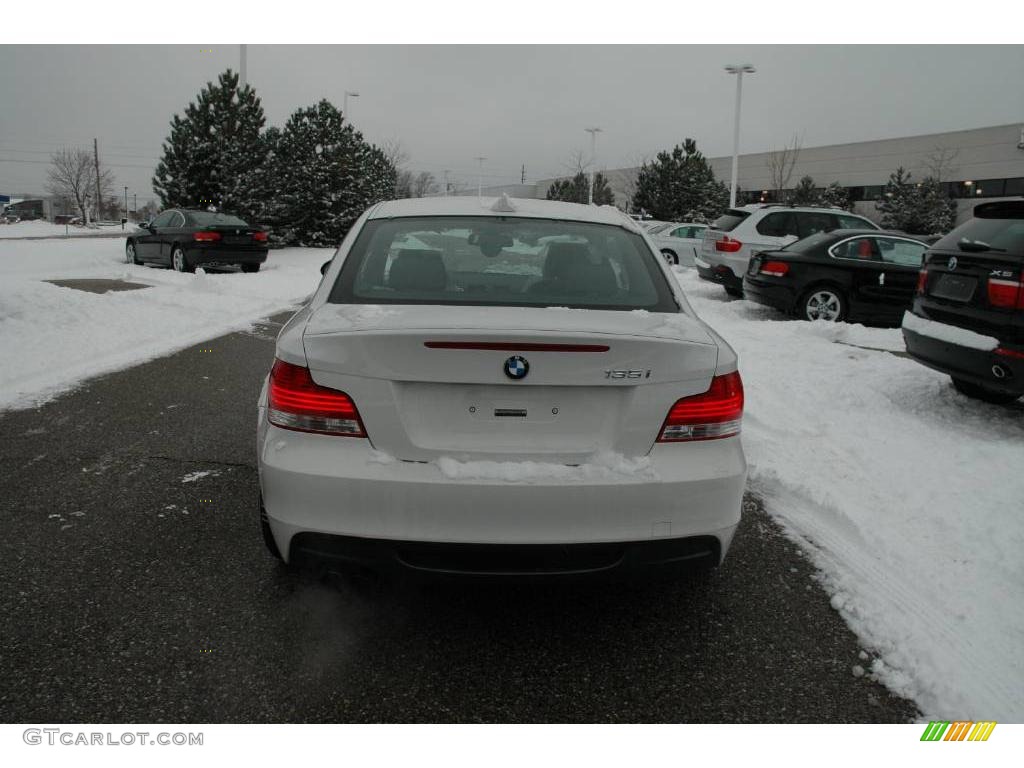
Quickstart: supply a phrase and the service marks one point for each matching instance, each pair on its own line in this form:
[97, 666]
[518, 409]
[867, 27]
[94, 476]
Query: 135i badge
[628, 373]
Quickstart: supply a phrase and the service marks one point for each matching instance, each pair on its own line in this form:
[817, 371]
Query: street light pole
[446, 183]
[344, 103]
[125, 206]
[480, 177]
[593, 161]
[243, 61]
[738, 70]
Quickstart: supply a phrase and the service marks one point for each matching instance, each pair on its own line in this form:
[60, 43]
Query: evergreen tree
[603, 194]
[837, 196]
[211, 151]
[937, 209]
[325, 176]
[897, 204]
[680, 186]
[805, 193]
[577, 190]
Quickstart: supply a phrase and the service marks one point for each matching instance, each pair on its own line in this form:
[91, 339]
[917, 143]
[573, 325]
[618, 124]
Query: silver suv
[741, 232]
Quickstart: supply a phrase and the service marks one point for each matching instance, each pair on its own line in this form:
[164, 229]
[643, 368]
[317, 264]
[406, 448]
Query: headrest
[418, 270]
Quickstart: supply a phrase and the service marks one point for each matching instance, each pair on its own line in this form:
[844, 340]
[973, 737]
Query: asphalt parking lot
[137, 589]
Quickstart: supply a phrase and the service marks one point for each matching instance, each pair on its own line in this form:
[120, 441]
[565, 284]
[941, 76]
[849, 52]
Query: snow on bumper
[342, 486]
[951, 334]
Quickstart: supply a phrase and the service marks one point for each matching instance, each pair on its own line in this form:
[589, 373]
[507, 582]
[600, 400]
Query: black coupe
[184, 239]
[856, 275]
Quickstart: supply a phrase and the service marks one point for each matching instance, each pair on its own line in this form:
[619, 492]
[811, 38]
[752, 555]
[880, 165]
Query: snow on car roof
[467, 205]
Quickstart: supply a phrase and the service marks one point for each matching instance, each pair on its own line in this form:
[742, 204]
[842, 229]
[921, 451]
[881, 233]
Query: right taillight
[297, 402]
[774, 268]
[922, 281]
[710, 415]
[1006, 294]
[728, 245]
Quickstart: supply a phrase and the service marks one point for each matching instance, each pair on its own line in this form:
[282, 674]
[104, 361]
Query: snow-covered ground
[53, 337]
[906, 495]
[49, 229]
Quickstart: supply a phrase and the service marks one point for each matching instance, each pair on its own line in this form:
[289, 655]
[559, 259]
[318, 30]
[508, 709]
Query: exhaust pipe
[1000, 372]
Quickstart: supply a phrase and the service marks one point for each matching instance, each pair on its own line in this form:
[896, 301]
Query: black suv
[968, 315]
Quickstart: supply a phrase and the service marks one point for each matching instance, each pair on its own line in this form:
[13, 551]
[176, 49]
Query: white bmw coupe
[500, 387]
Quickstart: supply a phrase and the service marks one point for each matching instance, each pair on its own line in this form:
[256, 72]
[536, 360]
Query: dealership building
[980, 164]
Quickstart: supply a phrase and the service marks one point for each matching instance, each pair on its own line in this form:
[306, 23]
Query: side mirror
[324, 267]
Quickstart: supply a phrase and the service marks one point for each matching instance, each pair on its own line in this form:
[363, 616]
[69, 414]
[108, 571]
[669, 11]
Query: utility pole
[593, 161]
[522, 179]
[446, 185]
[242, 66]
[480, 177]
[99, 193]
[125, 207]
[135, 203]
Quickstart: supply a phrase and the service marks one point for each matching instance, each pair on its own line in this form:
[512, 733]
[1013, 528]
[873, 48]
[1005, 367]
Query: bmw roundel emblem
[952, 263]
[517, 367]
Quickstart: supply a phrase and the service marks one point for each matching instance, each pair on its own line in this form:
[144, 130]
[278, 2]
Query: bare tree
[424, 184]
[941, 162]
[781, 163]
[395, 152]
[72, 176]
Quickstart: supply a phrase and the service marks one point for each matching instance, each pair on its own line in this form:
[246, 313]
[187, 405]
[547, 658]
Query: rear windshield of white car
[729, 220]
[502, 261]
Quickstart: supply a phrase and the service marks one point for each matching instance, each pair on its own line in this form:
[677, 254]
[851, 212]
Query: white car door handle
[881, 278]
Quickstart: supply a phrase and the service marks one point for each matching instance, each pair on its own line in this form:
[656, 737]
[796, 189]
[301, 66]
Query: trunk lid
[431, 381]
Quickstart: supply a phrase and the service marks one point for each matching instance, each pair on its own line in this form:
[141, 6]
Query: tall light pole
[344, 103]
[738, 70]
[243, 60]
[446, 183]
[593, 161]
[480, 177]
[125, 206]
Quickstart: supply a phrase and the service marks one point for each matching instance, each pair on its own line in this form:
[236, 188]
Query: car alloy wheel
[670, 257]
[823, 304]
[129, 253]
[178, 260]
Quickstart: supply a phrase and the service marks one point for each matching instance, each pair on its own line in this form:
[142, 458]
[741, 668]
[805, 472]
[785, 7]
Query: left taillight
[710, 415]
[297, 402]
[259, 237]
[206, 237]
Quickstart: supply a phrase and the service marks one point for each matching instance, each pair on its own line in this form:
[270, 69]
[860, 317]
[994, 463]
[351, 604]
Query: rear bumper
[212, 255]
[781, 297]
[976, 366]
[340, 487]
[720, 274]
[614, 560]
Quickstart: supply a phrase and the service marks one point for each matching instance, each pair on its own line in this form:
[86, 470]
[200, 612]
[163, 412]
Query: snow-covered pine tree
[326, 176]
[898, 204]
[937, 209]
[211, 151]
[680, 186]
[836, 196]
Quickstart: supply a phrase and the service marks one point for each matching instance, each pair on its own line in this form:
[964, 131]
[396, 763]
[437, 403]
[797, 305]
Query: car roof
[468, 205]
[755, 207]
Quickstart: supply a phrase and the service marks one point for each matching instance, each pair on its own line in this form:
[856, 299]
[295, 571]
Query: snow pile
[906, 495]
[604, 467]
[48, 229]
[53, 337]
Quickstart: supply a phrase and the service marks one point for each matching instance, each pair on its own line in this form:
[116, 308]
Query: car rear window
[502, 261]
[809, 244]
[1000, 235]
[729, 220]
[211, 219]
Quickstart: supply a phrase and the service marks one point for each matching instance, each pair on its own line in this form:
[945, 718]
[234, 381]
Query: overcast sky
[512, 104]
